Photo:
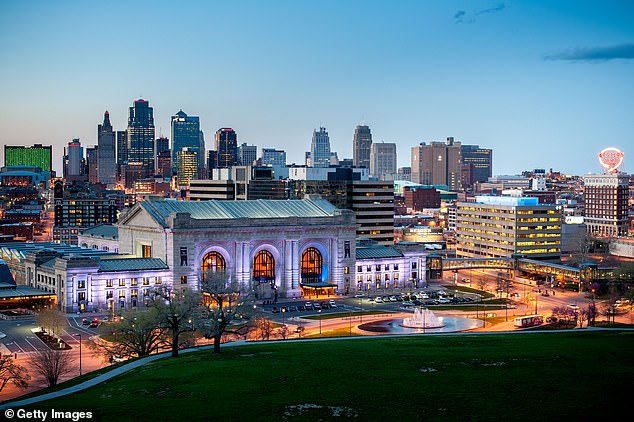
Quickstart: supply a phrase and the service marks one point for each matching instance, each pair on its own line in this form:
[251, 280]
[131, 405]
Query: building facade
[320, 148]
[383, 160]
[437, 164]
[273, 157]
[226, 143]
[498, 226]
[187, 165]
[186, 134]
[477, 164]
[361, 145]
[36, 156]
[606, 197]
[308, 245]
[247, 154]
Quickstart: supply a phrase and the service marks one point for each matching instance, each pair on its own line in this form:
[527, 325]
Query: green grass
[581, 375]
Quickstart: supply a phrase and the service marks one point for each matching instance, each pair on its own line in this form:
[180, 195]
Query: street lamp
[361, 306]
[319, 311]
[80, 371]
[283, 312]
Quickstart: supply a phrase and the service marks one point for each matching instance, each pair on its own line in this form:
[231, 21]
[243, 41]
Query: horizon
[554, 79]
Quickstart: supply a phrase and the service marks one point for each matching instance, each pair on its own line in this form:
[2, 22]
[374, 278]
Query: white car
[378, 299]
[359, 295]
[332, 303]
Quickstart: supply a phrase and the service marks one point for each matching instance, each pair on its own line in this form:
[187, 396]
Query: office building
[162, 144]
[122, 149]
[164, 164]
[320, 149]
[36, 156]
[383, 160]
[500, 226]
[141, 135]
[477, 164]
[226, 144]
[606, 197]
[186, 134]
[361, 144]
[187, 165]
[273, 157]
[106, 154]
[437, 163]
[247, 154]
[91, 164]
[75, 159]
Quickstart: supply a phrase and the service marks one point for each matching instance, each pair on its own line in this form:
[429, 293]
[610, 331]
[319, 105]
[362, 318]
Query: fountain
[423, 318]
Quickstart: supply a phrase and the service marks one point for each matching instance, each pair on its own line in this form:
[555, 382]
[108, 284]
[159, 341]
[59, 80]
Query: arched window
[214, 262]
[264, 267]
[311, 266]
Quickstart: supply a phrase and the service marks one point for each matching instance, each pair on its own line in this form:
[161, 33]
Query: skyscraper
[162, 144]
[75, 154]
[361, 144]
[37, 156]
[247, 154]
[606, 198]
[92, 164]
[320, 148]
[477, 163]
[437, 163]
[186, 134]
[122, 149]
[273, 157]
[383, 160]
[187, 164]
[226, 143]
[106, 164]
[141, 135]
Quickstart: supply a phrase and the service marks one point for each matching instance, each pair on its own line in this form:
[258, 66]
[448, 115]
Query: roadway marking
[31, 344]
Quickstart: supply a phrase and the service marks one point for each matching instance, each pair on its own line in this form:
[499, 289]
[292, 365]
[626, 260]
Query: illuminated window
[311, 266]
[213, 262]
[146, 251]
[264, 267]
[183, 279]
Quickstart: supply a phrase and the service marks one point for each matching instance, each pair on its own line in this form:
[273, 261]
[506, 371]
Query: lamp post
[283, 312]
[361, 306]
[80, 371]
[319, 312]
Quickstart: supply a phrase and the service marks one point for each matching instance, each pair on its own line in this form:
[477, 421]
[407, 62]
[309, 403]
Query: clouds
[462, 16]
[594, 54]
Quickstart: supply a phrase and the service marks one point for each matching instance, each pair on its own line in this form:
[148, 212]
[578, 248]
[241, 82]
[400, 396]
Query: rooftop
[131, 264]
[377, 251]
[102, 230]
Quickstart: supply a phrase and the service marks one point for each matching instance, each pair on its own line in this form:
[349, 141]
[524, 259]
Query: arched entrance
[312, 272]
[212, 262]
[263, 275]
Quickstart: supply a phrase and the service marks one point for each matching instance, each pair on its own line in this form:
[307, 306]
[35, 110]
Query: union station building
[288, 248]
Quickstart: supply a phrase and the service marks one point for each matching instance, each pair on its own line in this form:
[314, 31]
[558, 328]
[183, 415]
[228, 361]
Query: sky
[544, 84]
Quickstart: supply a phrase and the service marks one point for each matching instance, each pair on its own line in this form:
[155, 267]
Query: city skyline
[548, 83]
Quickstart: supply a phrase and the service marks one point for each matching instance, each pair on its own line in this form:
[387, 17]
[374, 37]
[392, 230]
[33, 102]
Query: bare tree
[263, 327]
[284, 332]
[224, 302]
[136, 334]
[52, 365]
[52, 321]
[10, 372]
[582, 316]
[175, 310]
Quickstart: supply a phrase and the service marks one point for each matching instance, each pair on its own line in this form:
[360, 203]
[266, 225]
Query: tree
[174, 310]
[52, 321]
[52, 365]
[224, 302]
[284, 332]
[136, 334]
[263, 327]
[10, 372]
[593, 312]
[582, 316]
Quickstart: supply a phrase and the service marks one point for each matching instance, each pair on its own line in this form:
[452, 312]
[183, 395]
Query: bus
[528, 321]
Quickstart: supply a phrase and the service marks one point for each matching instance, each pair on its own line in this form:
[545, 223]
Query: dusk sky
[545, 84]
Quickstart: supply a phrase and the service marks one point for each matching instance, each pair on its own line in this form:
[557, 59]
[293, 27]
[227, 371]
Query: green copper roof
[131, 264]
[103, 230]
[374, 252]
[260, 208]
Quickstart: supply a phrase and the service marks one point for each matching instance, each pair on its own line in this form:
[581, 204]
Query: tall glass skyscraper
[141, 135]
[37, 156]
[320, 148]
[361, 144]
[186, 134]
[106, 159]
[226, 143]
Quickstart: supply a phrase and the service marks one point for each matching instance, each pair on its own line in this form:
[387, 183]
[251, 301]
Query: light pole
[361, 306]
[283, 312]
[319, 311]
[80, 371]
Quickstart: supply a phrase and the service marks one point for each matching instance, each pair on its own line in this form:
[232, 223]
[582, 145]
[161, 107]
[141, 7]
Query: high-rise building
[36, 156]
[187, 164]
[361, 144]
[273, 157]
[164, 164]
[122, 150]
[437, 164]
[477, 164]
[75, 156]
[404, 173]
[92, 162]
[383, 160]
[247, 154]
[186, 134]
[320, 148]
[606, 197]
[106, 158]
[226, 143]
[141, 135]
[162, 144]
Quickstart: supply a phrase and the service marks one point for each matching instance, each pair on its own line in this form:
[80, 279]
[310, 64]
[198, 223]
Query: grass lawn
[580, 375]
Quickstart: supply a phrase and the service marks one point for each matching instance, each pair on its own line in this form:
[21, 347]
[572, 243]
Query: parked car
[466, 280]
[399, 299]
[573, 307]
[301, 308]
[316, 306]
[324, 305]
[309, 306]
[332, 304]
[378, 299]
[275, 310]
[293, 309]
[359, 295]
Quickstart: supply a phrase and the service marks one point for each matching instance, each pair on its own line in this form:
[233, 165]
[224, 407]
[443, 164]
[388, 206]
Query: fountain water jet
[423, 318]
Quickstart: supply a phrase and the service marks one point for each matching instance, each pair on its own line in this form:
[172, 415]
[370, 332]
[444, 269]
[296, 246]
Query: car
[573, 307]
[84, 321]
[293, 309]
[324, 305]
[392, 298]
[93, 324]
[275, 310]
[317, 306]
[444, 301]
[359, 295]
[378, 299]
[423, 296]
[407, 303]
[371, 299]
[301, 308]
[332, 304]
[466, 280]
[309, 306]
[417, 302]
[399, 299]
